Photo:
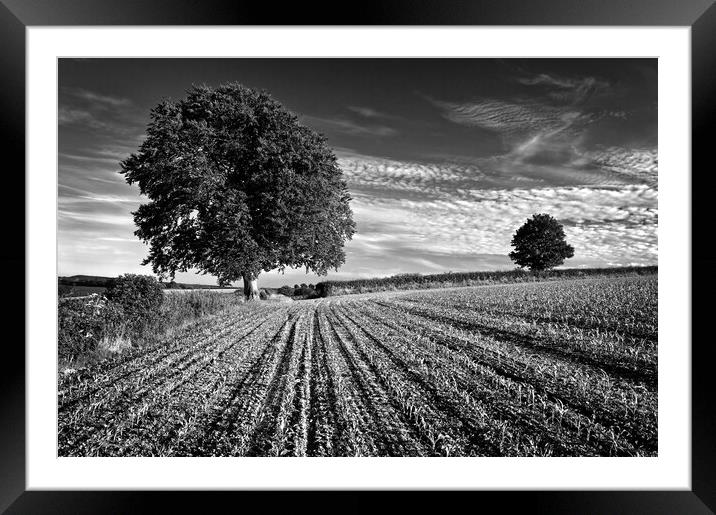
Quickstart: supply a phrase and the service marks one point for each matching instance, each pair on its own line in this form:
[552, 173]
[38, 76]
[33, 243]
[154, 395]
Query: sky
[444, 158]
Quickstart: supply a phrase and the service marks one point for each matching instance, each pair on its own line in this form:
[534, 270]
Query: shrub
[324, 289]
[286, 290]
[83, 323]
[305, 292]
[140, 297]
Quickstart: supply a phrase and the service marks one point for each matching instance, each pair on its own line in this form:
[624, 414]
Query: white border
[670, 470]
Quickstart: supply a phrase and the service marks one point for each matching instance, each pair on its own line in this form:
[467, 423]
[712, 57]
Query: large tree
[237, 186]
[540, 244]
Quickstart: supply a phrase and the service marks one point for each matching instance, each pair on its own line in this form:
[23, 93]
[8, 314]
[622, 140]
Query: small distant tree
[540, 244]
[237, 185]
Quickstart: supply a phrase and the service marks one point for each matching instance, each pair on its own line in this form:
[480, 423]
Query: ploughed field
[536, 369]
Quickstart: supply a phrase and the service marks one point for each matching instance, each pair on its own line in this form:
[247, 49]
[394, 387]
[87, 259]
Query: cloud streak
[96, 99]
[369, 112]
[346, 126]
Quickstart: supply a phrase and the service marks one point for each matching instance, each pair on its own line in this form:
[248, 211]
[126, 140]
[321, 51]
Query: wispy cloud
[515, 120]
[641, 164]
[94, 219]
[71, 116]
[104, 115]
[549, 126]
[369, 112]
[348, 126]
[600, 168]
[573, 90]
[89, 158]
[97, 99]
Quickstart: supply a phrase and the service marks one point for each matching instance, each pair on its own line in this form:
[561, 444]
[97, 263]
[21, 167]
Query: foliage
[540, 244]
[140, 297]
[236, 186]
[324, 289]
[300, 291]
[286, 290]
[82, 323]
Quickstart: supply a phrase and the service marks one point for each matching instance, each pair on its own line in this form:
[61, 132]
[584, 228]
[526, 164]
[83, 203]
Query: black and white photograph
[357, 257]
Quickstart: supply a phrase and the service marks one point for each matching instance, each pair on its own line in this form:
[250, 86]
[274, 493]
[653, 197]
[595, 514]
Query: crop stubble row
[389, 374]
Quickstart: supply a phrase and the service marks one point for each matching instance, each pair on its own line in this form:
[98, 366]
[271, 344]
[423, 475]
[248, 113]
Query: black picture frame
[16, 15]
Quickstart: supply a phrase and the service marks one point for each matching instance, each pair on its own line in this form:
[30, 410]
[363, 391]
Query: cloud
[368, 112]
[89, 158]
[93, 219]
[520, 169]
[108, 125]
[546, 79]
[400, 177]
[556, 108]
[349, 127]
[603, 224]
[551, 131]
[641, 164]
[71, 116]
[450, 216]
[518, 121]
[572, 90]
[104, 116]
[97, 99]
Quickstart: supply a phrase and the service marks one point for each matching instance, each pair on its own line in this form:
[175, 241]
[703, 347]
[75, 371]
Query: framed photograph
[418, 248]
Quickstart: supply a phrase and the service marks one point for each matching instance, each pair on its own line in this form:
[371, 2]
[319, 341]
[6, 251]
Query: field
[562, 368]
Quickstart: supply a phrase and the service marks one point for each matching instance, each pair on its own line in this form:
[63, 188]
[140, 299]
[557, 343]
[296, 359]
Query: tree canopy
[237, 185]
[540, 244]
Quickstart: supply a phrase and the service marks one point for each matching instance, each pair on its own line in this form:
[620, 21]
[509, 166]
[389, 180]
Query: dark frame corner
[700, 15]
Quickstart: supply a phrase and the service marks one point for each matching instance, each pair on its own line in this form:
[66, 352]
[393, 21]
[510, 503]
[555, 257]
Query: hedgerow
[134, 312]
[450, 279]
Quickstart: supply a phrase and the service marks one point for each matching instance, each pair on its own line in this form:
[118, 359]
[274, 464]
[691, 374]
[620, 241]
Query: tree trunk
[251, 286]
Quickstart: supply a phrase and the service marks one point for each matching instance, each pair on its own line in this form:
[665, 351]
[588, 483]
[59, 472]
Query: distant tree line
[446, 280]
